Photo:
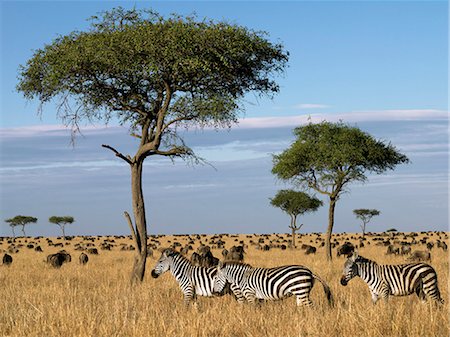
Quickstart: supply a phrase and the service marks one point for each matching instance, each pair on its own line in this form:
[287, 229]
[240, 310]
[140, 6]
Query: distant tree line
[23, 220]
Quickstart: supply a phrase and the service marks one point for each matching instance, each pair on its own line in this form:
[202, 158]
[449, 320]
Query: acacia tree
[365, 215]
[327, 157]
[20, 220]
[61, 221]
[295, 203]
[155, 75]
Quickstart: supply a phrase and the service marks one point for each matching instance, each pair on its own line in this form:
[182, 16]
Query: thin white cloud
[189, 186]
[303, 106]
[360, 116]
[254, 122]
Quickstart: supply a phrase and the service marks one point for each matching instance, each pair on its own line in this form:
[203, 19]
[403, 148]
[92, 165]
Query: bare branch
[133, 232]
[118, 154]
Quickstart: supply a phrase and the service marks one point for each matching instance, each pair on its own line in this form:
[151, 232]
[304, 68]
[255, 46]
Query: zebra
[396, 280]
[193, 280]
[269, 283]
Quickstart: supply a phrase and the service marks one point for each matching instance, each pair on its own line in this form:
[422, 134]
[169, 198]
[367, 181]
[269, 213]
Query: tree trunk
[330, 228]
[14, 234]
[363, 229]
[63, 232]
[294, 229]
[23, 230]
[138, 271]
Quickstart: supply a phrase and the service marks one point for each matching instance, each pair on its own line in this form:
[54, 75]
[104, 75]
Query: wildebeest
[58, 259]
[441, 244]
[420, 255]
[405, 250]
[83, 258]
[203, 257]
[346, 249]
[7, 259]
[310, 250]
[236, 253]
[93, 251]
[391, 249]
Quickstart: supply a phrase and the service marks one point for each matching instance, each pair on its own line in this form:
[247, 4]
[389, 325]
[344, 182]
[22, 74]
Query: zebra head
[220, 279]
[350, 269]
[163, 263]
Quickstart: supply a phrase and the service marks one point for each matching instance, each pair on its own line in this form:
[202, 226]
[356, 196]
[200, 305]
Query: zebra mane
[362, 259]
[235, 263]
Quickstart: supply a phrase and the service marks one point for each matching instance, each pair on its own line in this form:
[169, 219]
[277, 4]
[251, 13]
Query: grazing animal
[7, 259]
[269, 283]
[93, 251]
[203, 257]
[346, 249]
[442, 245]
[236, 253]
[405, 250]
[83, 258]
[391, 249]
[58, 259]
[396, 280]
[193, 280]
[310, 250]
[420, 255]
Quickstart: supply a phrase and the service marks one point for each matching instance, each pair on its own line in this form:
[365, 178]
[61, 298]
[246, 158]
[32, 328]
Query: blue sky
[379, 65]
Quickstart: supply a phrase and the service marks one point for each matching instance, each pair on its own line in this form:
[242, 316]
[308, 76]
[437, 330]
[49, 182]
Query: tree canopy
[327, 156]
[153, 73]
[61, 220]
[21, 220]
[295, 202]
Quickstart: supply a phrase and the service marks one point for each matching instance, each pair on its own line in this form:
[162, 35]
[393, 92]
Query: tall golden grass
[97, 300]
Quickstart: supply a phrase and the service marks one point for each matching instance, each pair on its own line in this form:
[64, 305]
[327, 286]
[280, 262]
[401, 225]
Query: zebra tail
[327, 290]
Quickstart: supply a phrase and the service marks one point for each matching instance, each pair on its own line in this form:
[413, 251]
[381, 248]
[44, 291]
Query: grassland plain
[97, 299]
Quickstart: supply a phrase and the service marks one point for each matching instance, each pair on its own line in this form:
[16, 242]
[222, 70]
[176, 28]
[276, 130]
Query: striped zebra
[193, 280]
[396, 280]
[269, 283]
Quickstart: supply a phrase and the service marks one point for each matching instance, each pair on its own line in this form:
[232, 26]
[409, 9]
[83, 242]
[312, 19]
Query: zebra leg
[250, 296]
[302, 296]
[420, 293]
[431, 290]
[304, 300]
[237, 293]
[189, 295]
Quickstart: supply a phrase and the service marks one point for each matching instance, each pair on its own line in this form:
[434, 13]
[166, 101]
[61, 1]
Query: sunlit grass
[97, 300]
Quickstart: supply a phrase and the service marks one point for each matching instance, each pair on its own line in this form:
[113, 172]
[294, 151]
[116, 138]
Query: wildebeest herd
[211, 269]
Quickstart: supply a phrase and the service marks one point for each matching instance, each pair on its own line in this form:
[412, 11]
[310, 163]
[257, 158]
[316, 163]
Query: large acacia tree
[327, 157]
[156, 75]
[295, 203]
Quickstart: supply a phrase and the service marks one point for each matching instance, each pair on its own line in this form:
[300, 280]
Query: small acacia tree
[155, 75]
[365, 215]
[21, 220]
[295, 203]
[326, 157]
[61, 221]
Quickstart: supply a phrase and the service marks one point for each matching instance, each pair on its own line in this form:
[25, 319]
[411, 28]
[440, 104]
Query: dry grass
[97, 300]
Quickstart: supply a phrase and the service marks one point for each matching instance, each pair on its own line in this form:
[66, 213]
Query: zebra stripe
[396, 280]
[193, 280]
[269, 283]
